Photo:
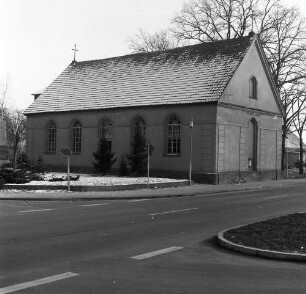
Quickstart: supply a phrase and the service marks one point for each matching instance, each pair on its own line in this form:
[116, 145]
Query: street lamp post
[67, 153]
[190, 160]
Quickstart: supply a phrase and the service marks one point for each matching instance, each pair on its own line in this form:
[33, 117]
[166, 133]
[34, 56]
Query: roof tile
[191, 74]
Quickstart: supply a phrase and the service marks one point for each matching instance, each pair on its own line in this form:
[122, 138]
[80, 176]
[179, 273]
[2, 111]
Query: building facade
[224, 87]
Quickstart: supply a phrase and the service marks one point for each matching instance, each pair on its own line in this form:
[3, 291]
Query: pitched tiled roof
[190, 74]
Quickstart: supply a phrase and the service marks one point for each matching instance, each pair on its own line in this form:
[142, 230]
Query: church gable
[191, 74]
[252, 86]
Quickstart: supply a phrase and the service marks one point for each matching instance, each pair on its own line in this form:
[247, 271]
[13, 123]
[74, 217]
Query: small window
[173, 136]
[51, 137]
[76, 137]
[253, 88]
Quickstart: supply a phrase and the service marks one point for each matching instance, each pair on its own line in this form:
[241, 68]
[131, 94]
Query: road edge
[257, 251]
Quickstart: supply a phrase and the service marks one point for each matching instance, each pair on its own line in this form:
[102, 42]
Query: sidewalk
[197, 189]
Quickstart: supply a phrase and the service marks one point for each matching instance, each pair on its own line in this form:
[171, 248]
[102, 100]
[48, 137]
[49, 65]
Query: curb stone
[258, 252]
[92, 188]
[152, 193]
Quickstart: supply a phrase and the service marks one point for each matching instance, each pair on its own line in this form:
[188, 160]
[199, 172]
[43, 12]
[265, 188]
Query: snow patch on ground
[96, 180]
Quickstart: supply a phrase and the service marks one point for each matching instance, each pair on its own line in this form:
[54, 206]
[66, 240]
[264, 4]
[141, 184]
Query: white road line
[35, 210]
[139, 200]
[173, 211]
[272, 197]
[158, 252]
[96, 204]
[38, 282]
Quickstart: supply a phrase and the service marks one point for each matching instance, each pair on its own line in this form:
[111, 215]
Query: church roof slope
[190, 74]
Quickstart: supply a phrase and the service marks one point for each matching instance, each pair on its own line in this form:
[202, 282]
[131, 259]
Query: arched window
[76, 136]
[105, 129]
[173, 136]
[252, 145]
[51, 137]
[105, 132]
[138, 127]
[253, 88]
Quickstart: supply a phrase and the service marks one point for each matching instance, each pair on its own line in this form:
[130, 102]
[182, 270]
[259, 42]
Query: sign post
[67, 152]
[150, 149]
[148, 167]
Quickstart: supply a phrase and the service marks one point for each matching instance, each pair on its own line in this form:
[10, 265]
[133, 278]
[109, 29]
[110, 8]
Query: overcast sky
[37, 36]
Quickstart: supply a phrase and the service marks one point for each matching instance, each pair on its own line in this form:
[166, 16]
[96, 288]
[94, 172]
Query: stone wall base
[236, 177]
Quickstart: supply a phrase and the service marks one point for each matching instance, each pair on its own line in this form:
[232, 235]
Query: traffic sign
[66, 151]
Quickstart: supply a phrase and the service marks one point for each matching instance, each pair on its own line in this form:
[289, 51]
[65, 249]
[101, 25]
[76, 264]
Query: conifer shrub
[104, 158]
[23, 162]
[123, 167]
[39, 167]
[138, 157]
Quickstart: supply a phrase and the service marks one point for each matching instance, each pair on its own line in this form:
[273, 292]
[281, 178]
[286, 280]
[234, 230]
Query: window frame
[135, 126]
[76, 138]
[173, 139]
[253, 88]
[51, 137]
[105, 129]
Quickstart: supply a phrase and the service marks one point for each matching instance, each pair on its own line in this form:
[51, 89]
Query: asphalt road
[142, 246]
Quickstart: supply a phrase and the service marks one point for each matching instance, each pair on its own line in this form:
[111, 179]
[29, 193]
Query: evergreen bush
[104, 157]
[123, 168]
[139, 156]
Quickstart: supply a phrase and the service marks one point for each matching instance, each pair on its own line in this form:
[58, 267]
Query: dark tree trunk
[301, 155]
[284, 134]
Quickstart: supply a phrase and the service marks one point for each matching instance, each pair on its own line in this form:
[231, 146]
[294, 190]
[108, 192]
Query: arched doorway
[252, 145]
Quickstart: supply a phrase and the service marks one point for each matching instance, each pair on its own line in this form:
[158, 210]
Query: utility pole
[190, 160]
[148, 165]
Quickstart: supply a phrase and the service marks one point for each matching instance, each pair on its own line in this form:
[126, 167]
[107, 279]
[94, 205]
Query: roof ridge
[176, 49]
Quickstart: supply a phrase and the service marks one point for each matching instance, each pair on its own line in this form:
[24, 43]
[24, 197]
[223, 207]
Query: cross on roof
[75, 51]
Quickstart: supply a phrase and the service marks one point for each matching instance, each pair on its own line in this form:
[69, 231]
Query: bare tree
[145, 42]
[4, 94]
[283, 38]
[280, 29]
[211, 20]
[16, 130]
[299, 123]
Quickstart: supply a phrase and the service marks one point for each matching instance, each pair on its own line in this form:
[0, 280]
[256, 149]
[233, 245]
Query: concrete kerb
[91, 188]
[258, 252]
[196, 190]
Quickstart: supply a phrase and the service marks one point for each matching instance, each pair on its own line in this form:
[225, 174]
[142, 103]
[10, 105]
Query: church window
[76, 137]
[138, 127]
[253, 88]
[51, 137]
[105, 131]
[173, 137]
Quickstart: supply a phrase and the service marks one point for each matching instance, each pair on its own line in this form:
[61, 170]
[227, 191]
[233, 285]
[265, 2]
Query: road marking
[174, 211]
[38, 282]
[272, 197]
[158, 252]
[139, 200]
[96, 204]
[35, 210]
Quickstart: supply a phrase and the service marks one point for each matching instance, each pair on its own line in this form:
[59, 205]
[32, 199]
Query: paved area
[165, 245]
[195, 189]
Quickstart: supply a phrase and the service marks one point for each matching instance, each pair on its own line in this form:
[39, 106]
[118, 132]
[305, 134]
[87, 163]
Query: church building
[214, 103]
